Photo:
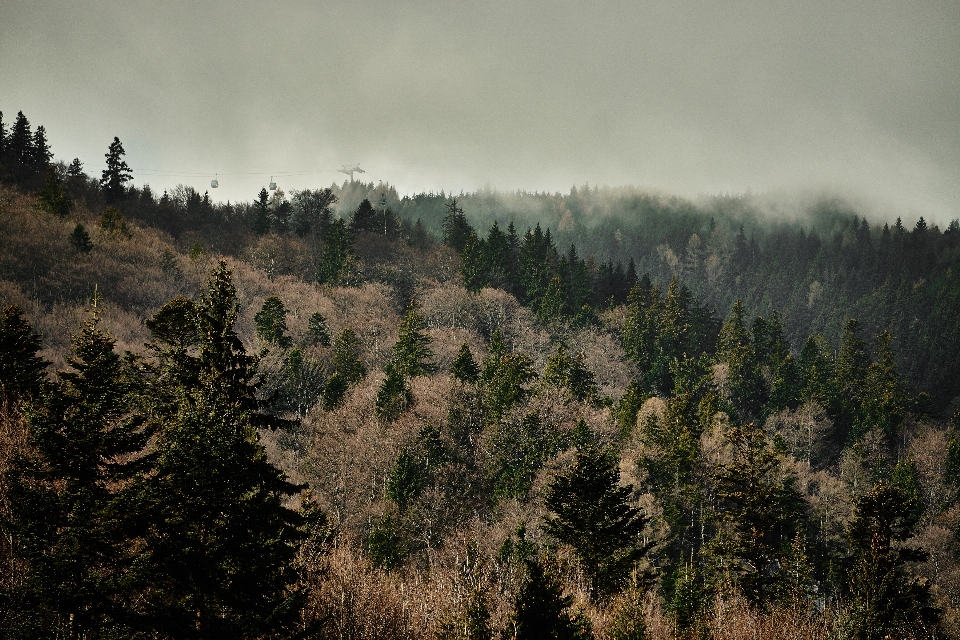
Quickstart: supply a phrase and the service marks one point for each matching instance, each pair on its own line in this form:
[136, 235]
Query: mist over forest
[350, 412]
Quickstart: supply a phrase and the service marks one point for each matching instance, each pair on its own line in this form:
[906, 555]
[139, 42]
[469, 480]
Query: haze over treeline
[732, 97]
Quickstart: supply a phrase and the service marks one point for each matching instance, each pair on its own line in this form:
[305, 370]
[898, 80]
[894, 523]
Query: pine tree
[464, 367]
[117, 174]
[364, 218]
[884, 595]
[53, 197]
[21, 369]
[80, 239]
[261, 213]
[595, 517]
[271, 323]
[346, 356]
[541, 611]
[41, 152]
[20, 152]
[456, 229]
[412, 355]
[394, 395]
[70, 524]
[220, 542]
[337, 261]
[317, 330]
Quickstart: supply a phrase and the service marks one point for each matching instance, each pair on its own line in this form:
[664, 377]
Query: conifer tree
[884, 594]
[346, 356]
[41, 151]
[80, 239]
[364, 218]
[53, 197]
[412, 355]
[271, 323]
[317, 330]
[464, 367]
[117, 174]
[336, 262]
[456, 229]
[21, 369]
[20, 151]
[595, 517]
[219, 543]
[261, 213]
[68, 519]
[884, 400]
[541, 611]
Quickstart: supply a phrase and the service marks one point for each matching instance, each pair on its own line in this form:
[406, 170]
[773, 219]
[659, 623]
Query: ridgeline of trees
[344, 427]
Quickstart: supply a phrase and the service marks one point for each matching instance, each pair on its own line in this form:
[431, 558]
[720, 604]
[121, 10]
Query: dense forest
[339, 412]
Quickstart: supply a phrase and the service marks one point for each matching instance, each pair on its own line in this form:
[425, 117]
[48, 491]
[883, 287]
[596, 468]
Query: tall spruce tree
[21, 369]
[114, 178]
[595, 517]
[219, 543]
[71, 527]
[541, 611]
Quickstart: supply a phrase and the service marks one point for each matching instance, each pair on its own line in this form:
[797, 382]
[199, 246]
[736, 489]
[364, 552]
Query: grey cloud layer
[681, 96]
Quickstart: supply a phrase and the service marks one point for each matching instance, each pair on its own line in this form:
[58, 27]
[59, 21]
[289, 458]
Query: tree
[412, 355]
[317, 330]
[464, 367]
[541, 611]
[80, 239]
[219, 541]
[71, 527]
[394, 395]
[456, 229]
[41, 151]
[346, 356]
[20, 152]
[261, 213]
[884, 595]
[364, 218]
[311, 210]
[271, 323]
[760, 512]
[53, 197]
[571, 373]
[337, 263]
[117, 174]
[595, 517]
[21, 369]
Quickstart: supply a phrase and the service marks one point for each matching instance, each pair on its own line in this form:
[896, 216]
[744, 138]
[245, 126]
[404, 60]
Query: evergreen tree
[760, 513]
[219, 544]
[884, 595]
[20, 152]
[412, 355]
[364, 218]
[456, 229]
[571, 373]
[53, 197]
[346, 356]
[541, 611]
[71, 527]
[317, 330]
[261, 213]
[41, 152]
[80, 239]
[21, 369]
[884, 400]
[271, 323]
[117, 174]
[464, 367]
[595, 517]
[337, 263]
[394, 395]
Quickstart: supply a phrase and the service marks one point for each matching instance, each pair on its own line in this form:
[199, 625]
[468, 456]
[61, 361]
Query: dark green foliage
[394, 395]
[176, 323]
[412, 355]
[689, 597]
[629, 614]
[68, 520]
[21, 369]
[334, 391]
[386, 545]
[464, 367]
[117, 174]
[760, 513]
[518, 449]
[317, 330]
[271, 323]
[346, 357]
[80, 239]
[628, 407]
[884, 401]
[502, 378]
[364, 218]
[219, 542]
[406, 480]
[571, 373]
[261, 218]
[595, 516]
[884, 595]
[54, 197]
[311, 210]
[748, 392]
[456, 229]
[337, 263]
[541, 611]
[112, 222]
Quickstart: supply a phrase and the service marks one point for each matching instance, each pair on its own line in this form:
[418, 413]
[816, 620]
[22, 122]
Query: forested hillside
[340, 412]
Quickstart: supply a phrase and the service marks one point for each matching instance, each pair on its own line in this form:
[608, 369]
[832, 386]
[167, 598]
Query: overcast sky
[682, 97]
